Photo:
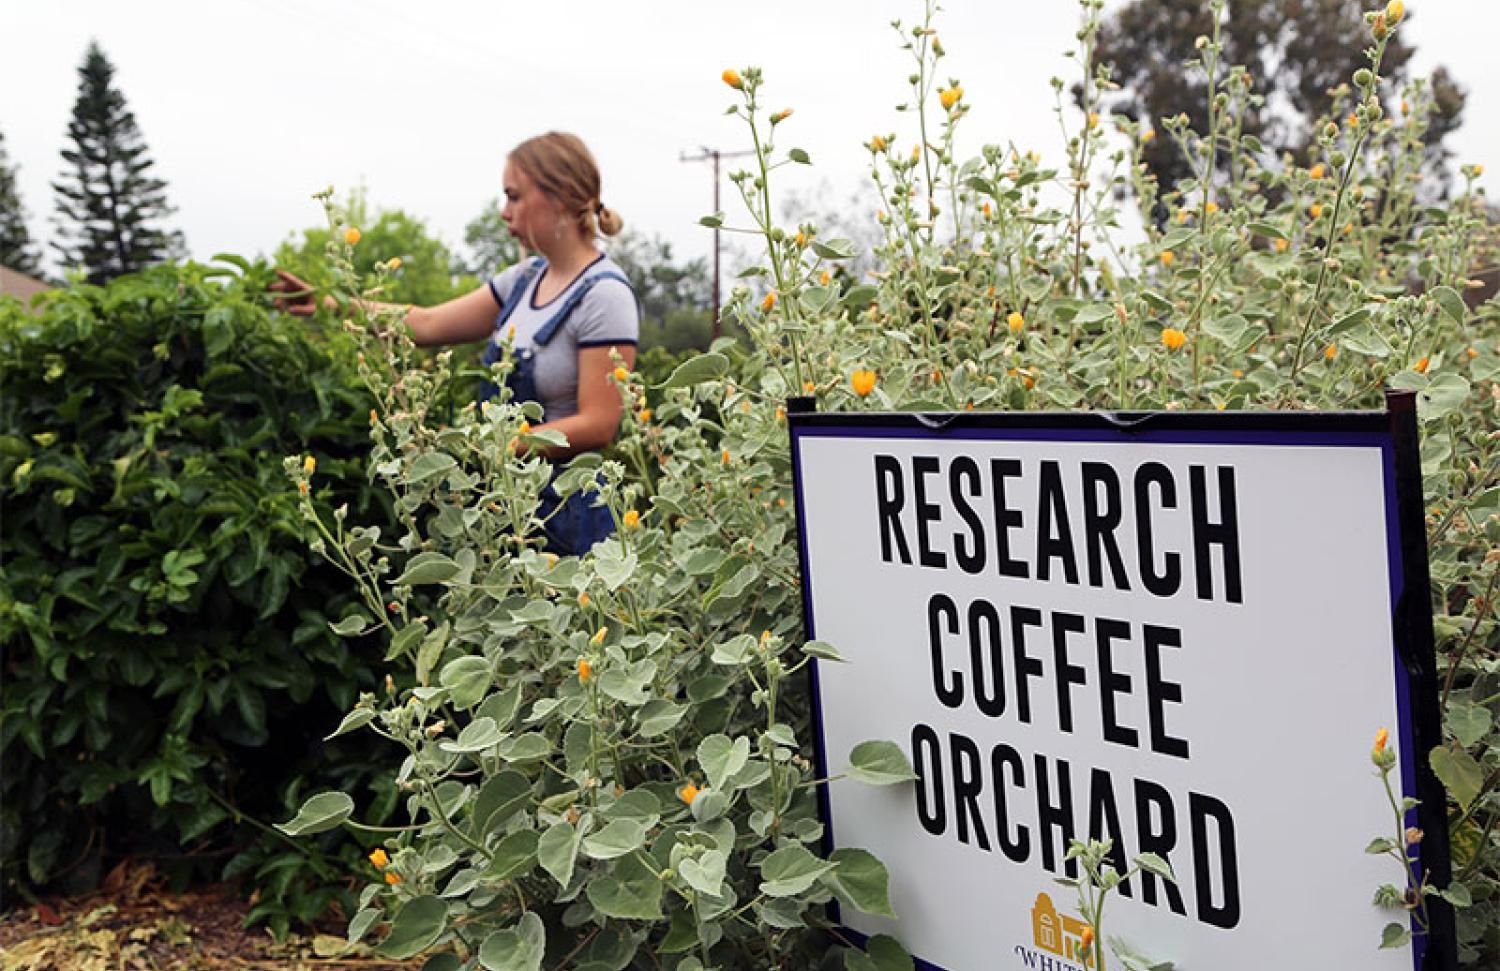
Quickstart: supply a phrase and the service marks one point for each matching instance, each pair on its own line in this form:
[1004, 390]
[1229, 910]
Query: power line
[714, 155]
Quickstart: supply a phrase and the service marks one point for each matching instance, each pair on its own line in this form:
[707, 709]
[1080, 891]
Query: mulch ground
[133, 924]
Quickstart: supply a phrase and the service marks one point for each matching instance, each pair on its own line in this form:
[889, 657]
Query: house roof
[14, 283]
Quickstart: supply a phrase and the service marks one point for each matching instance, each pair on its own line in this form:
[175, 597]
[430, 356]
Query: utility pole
[714, 154]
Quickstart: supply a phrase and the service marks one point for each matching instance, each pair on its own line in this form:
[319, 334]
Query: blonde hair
[562, 167]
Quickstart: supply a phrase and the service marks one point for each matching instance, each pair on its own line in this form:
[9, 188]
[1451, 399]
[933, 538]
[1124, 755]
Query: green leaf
[557, 850]
[1457, 894]
[799, 156]
[1154, 864]
[722, 758]
[1458, 772]
[1452, 304]
[791, 870]
[428, 567]
[518, 948]
[696, 370]
[1380, 844]
[1394, 935]
[418, 925]
[881, 953]
[619, 837]
[429, 465]
[467, 679]
[823, 651]
[659, 716]
[1228, 330]
[499, 799]
[834, 249]
[1093, 313]
[478, 735]
[860, 880]
[629, 891]
[1443, 395]
[1468, 722]
[319, 814]
[712, 222]
[514, 854]
[1266, 229]
[358, 718]
[879, 763]
[734, 651]
[614, 569]
[705, 873]
[354, 624]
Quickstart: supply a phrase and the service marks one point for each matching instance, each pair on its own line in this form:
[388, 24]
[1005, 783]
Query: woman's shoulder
[607, 270]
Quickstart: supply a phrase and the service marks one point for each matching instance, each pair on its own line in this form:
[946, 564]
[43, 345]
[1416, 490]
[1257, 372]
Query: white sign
[1181, 640]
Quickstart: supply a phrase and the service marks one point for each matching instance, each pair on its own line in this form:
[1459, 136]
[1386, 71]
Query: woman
[567, 313]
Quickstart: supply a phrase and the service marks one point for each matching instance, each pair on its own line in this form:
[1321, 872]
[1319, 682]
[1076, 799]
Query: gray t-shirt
[607, 315]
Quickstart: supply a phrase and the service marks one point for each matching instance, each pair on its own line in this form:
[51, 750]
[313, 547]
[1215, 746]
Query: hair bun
[610, 222]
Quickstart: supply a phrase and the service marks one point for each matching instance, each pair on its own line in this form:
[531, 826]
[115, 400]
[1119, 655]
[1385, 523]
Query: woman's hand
[296, 295]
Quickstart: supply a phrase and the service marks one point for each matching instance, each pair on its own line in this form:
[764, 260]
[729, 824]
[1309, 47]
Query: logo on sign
[1057, 934]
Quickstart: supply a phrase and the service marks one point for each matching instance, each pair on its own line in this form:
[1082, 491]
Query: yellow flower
[808, 387]
[1478, 170]
[525, 427]
[1183, 215]
[949, 96]
[1093, 119]
[1421, 366]
[622, 375]
[1316, 172]
[824, 277]
[1148, 134]
[1331, 351]
[732, 78]
[985, 209]
[379, 858]
[1211, 208]
[645, 415]
[599, 636]
[1381, 738]
[551, 559]
[392, 877]
[1315, 210]
[688, 793]
[1015, 321]
[394, 263]
[583, 598]
[632, 519]
[1395, 12]
[862, 381]
[1172, 338]
[1086, 939]
[800, 238]
[351, 235]
[374, 417]
[302, 488]
[1281, 245]
[877, 143]
[724, 457]
[781, 412]
[585, 669]
[780, 116]
[1168, 257]
[309, 465]
[768, 302]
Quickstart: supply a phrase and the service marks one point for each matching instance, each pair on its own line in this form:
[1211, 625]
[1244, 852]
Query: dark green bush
[168, 666]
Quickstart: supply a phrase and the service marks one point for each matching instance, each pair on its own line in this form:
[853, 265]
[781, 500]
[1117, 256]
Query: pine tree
[16, 249]
[108, 207]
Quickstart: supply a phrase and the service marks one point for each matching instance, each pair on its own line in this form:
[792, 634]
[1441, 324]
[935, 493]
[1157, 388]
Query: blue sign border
[1393, 432]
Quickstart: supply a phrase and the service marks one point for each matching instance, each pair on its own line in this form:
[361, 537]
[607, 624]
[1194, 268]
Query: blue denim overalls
[573, 525]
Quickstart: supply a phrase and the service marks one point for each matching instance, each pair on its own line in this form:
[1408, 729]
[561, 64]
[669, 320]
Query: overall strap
[580, 289]
[518, 290]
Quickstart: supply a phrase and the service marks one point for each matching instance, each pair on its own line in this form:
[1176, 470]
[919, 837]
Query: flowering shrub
[605, 755]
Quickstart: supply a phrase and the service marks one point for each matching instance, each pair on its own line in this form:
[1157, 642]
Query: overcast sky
[249, 106]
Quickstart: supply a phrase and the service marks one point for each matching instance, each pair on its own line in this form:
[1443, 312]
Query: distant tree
[16, 248]
[109, 209]
[430, 272]
[674, 297]
[491, 246]
[1297, 52]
